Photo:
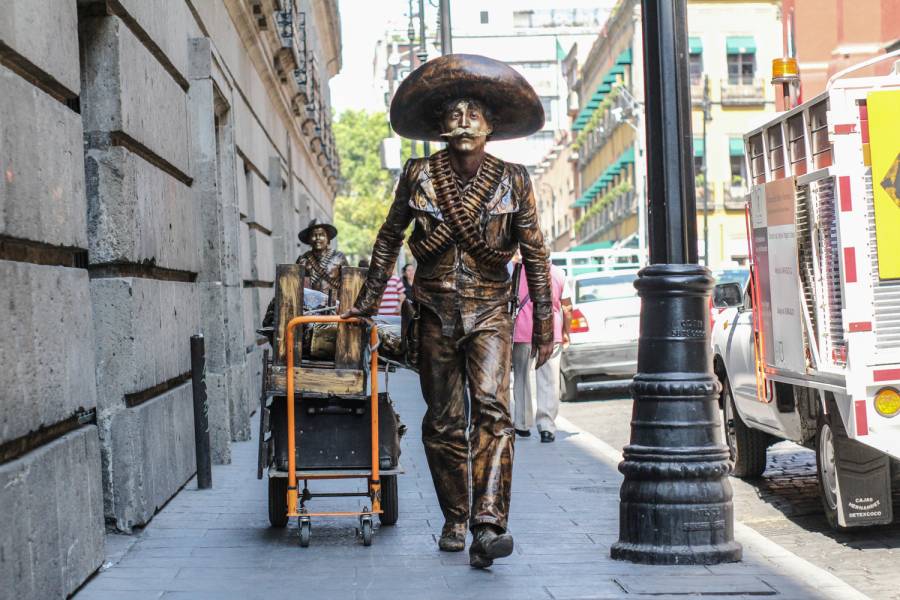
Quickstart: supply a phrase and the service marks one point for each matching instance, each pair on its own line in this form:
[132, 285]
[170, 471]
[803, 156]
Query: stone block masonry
[142, 332]
[150, 455]
[52, 533]
[52, 537]
[137, 143]
[39, 38]
[41, 166]
[139, 214]
[145, 252]
[47, 357]
[128, 95]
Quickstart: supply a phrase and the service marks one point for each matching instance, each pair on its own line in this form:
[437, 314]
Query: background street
[784, 506]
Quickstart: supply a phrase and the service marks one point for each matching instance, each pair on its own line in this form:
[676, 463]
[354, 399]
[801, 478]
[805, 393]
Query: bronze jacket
[453, 284]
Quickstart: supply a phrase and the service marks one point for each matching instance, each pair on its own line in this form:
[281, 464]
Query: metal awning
[740, 44]
[695, 45]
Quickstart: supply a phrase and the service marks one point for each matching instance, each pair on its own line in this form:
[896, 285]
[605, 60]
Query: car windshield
[605, 288]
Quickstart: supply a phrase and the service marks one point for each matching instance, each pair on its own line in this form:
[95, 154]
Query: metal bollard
[201, 412]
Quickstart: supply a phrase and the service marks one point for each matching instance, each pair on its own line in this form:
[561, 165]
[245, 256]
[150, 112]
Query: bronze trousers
[479, 359]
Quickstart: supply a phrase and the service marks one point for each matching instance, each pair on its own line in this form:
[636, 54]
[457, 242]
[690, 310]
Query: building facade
[527, 35]
[830, 35]
[730, 58]
[533, 39]
[158, 158]
[554, 187]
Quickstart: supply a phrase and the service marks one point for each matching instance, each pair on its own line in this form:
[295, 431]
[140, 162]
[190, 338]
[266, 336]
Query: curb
[787, 562]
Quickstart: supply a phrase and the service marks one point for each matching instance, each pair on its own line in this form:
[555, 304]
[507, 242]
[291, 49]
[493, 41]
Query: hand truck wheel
[305, 531]
[366, 526]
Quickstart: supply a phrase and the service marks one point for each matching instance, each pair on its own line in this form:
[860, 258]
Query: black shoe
[523, 432]
[547, 437]
[453, 537]
[488, 545]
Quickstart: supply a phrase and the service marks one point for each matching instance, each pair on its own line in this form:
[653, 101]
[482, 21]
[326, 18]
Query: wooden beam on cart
[320, 381]
[288, 304]
[349, 351]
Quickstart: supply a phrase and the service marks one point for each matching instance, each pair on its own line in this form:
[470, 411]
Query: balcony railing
[743, 93]
[734, 196]
[697, 93]
[616, 212]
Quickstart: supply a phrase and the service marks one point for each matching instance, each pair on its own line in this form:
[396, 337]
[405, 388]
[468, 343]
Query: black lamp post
[676, 498]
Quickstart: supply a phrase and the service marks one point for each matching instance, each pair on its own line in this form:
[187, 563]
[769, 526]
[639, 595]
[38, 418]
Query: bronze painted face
[318, 239]
[465, 126]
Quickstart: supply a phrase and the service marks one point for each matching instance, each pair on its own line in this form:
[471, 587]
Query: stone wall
[50, 492]
[154, 168]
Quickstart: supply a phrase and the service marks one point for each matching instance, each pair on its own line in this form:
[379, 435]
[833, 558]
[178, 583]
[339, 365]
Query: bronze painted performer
[471, 212]
[321, 264]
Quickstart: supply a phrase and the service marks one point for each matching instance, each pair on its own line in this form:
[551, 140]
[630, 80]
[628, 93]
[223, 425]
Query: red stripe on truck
[862, 421]
[845, 128]
[846, 198]
[860, 326]
[886, 374]
[850, 265]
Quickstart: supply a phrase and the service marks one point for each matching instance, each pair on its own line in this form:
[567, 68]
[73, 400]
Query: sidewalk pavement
[217, 544]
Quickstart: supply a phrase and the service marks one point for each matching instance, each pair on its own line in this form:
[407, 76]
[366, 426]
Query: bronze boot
[488, 544]
[453, 537]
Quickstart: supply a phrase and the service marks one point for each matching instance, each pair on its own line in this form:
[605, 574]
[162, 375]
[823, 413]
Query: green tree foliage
[365, 195]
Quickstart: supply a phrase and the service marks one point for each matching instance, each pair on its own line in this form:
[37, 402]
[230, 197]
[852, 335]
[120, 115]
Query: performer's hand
[355, 313]
[543, 352]
[566, 339]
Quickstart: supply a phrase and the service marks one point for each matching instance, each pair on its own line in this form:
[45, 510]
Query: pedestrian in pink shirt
[543, 385]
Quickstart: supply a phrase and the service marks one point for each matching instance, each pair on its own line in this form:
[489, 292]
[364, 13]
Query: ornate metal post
[676, 498]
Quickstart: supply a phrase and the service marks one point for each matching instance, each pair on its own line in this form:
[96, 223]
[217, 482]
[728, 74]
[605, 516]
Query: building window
[738, 169]
[695, 67]
[695, 60]
[547, 103]
[484, 17]
[741, 69]
[521, 18]
[741, 59]
[699, 151]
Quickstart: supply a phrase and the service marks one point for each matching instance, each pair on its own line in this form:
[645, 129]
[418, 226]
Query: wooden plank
[288, 304]
[349, 348]
[322, 381]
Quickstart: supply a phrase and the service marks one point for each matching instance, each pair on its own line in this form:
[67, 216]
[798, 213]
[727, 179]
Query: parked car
[602, 353]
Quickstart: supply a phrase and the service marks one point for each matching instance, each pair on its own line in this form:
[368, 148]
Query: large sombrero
[516, 108]
[330, 230]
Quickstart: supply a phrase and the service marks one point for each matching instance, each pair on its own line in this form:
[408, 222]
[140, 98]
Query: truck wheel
[747, 446]
[568, 388]
[278, 501]
[826, 471]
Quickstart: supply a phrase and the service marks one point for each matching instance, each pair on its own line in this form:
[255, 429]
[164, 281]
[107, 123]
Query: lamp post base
[676, 503]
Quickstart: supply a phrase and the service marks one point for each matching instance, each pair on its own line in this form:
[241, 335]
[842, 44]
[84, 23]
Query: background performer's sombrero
[516, 108]
[330, 231]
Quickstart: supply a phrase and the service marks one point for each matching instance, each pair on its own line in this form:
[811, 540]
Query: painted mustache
[462, 131]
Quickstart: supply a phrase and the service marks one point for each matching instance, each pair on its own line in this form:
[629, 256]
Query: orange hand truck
[286, 500]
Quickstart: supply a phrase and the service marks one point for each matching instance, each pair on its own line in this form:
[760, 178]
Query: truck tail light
[579, 323]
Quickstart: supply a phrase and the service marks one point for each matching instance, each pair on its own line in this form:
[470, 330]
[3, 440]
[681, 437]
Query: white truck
[809, 349]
